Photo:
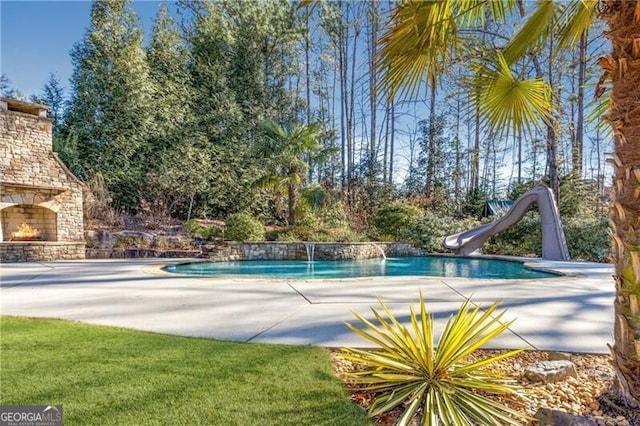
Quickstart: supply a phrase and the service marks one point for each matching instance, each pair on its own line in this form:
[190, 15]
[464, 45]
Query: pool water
[434, 266]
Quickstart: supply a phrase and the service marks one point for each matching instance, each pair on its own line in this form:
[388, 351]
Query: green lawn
[113, 376]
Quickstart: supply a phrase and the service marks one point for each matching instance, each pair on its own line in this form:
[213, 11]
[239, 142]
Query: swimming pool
[434, 266]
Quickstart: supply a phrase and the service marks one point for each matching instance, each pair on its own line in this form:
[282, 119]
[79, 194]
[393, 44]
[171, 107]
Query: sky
[37, 36]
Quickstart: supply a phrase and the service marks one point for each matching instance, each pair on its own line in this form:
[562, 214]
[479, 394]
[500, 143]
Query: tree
[111, 105]
[52, 95]
[7, 90]
[417, 47]
[168, 60]
[286, 147]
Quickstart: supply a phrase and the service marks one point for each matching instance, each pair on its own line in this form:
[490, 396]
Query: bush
[324, 235]
[207, 232]
[244, 227]
[431, 229]
[588, 237]
[434, 380]
[522, 239]
[396, 220]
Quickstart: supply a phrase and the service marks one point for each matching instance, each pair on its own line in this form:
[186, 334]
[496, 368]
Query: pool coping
[558, 268]
[571, 313]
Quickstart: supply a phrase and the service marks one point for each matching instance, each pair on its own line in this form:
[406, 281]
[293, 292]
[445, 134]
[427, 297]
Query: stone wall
[32, 178]
[40, 251]
[301, 251]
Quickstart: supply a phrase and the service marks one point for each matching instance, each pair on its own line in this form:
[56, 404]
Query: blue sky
[37, 36]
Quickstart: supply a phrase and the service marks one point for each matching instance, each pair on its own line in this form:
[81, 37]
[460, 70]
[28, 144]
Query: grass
[105, 375]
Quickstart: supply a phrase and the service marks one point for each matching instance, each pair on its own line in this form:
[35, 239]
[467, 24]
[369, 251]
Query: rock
[559, 356]
[550, 371]
[548, 417]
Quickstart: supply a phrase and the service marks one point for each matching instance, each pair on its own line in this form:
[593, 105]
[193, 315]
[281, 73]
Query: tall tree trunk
[352, 95]
[386, 141]
[475, 153]
[520, 156]
[431, 154]
[457, 170]
[374, 16]
[578, 148]
[292, 199]
[343, 100]
[307, 76]
[624, 115]
[392, 139]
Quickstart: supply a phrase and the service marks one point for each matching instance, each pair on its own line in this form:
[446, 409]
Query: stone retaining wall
[137, 253]
[300, 251]
[40, 251]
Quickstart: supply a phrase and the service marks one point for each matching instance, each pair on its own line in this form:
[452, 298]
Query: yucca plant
[409, 369]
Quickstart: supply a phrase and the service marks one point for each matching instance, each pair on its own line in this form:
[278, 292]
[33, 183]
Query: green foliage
[52, 95]
[326, 210]
[288, 150]
[111, 107]
[432, 228]
[576, 198]
[207, 232]
[474, 202]
[522, 239]
[397, 220]
[588, 237]
[134, 376]
[434, 379]
[244, 227]
[325, 235]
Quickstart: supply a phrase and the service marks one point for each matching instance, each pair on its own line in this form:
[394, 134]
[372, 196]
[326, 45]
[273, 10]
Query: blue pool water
[434, 266]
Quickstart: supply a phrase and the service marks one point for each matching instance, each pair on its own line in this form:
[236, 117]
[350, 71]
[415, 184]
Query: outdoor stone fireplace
[40, 199]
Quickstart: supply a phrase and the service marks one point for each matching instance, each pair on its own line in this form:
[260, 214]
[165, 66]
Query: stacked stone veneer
[299, 251]
[36, 188]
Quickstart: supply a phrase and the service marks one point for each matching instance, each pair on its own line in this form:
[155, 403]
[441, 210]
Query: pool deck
[566, 313]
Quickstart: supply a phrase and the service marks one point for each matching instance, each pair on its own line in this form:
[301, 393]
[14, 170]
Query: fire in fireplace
[25, 232]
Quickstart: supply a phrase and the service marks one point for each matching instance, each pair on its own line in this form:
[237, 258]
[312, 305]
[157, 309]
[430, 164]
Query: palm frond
[537, 27]
[417, 45]
[507, 102]
[576, 18]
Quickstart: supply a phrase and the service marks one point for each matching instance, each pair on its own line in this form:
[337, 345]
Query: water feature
[435, 266]
[384, 256]
[311, 248]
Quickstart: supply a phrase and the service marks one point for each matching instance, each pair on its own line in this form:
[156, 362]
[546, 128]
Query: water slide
[554, 246]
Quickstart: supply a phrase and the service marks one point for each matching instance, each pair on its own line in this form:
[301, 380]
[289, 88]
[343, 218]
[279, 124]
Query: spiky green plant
[409, 369]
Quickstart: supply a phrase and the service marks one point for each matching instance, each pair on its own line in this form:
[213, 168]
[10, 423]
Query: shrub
[396, 220]
[524, 238]
[306, 216]
[588, 237]
[244, 227]
[431, 229]
[437, 382]
[324, 235]
[207, 232]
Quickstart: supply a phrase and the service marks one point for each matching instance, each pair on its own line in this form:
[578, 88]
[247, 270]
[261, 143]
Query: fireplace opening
[28, 223]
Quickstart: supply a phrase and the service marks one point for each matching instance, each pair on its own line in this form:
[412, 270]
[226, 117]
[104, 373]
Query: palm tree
[424, 37]
[289, 149]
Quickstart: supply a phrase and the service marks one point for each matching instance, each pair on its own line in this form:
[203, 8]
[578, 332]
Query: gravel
[587, 394]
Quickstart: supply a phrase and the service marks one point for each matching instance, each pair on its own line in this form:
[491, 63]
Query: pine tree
[111, 103]
[168, 59]
[52, 95]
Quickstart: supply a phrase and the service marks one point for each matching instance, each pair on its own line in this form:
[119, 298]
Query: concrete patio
[565, 313]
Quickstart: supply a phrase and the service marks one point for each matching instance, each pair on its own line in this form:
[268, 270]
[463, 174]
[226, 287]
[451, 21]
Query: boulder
[550, 371]
[548, 417]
